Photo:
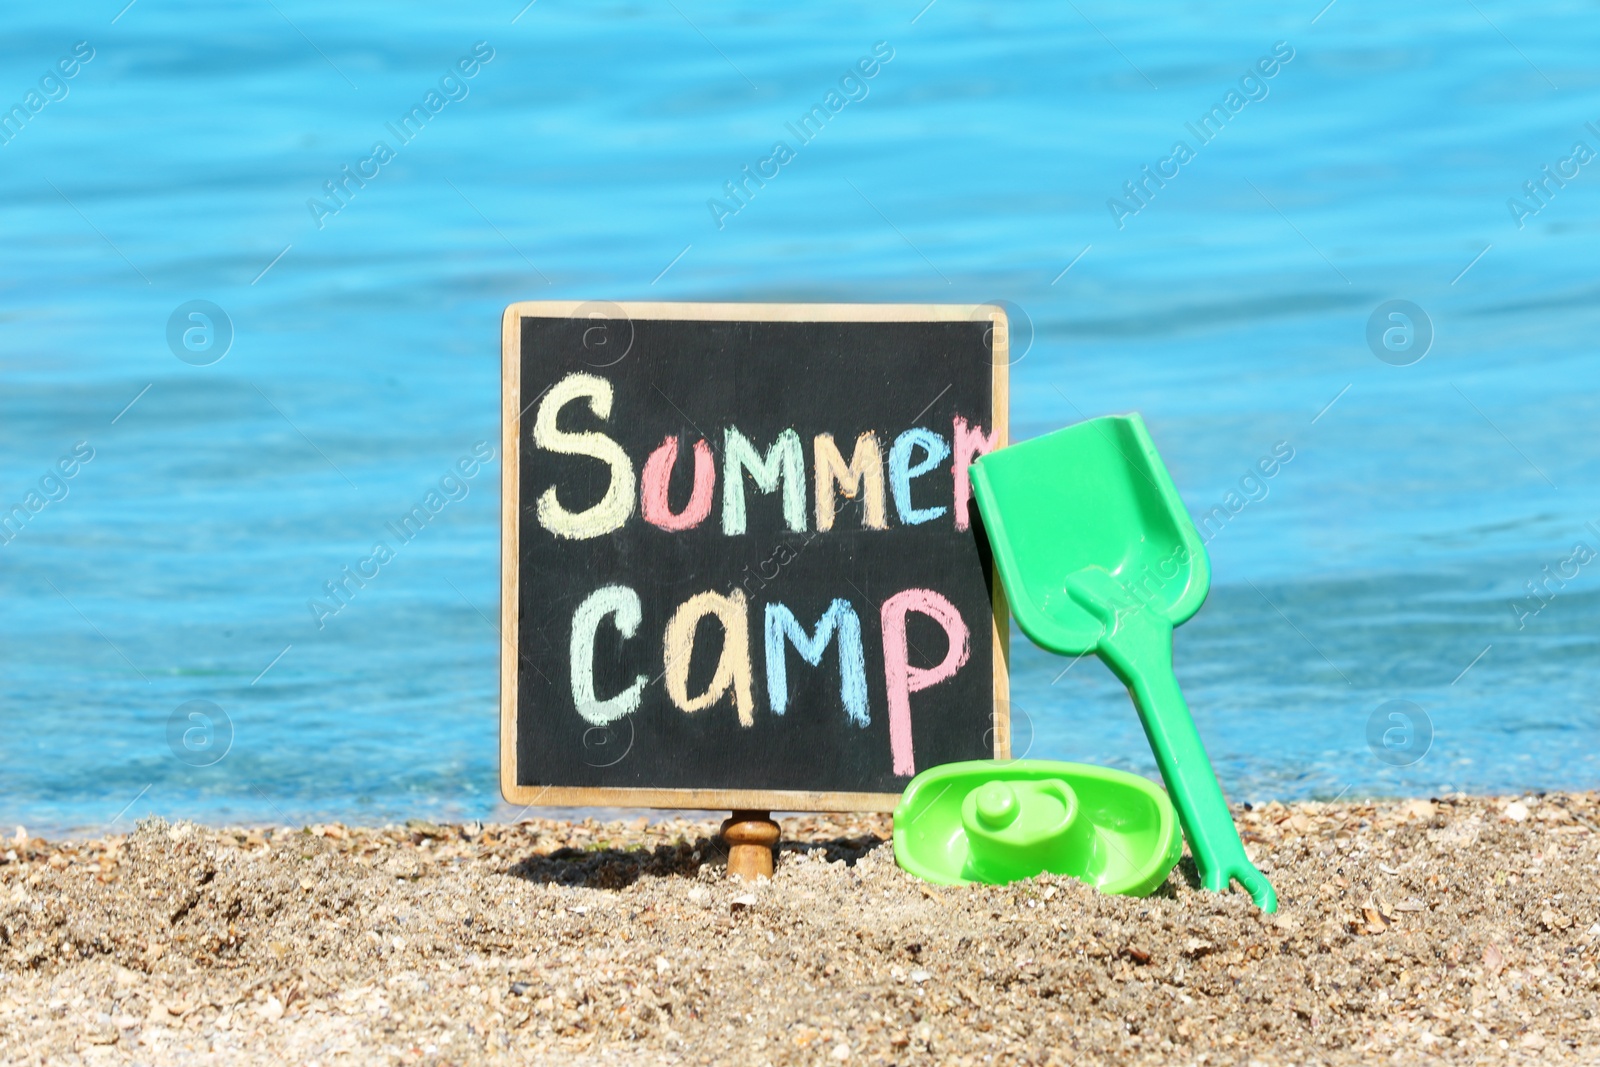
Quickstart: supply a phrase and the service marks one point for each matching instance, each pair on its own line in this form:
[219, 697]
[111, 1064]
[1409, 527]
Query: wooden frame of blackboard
[510, 555]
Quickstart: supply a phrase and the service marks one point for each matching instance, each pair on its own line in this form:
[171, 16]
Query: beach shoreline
[1460, 929]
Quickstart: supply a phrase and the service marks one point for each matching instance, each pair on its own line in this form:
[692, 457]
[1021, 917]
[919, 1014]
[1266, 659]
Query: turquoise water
[1231, 308]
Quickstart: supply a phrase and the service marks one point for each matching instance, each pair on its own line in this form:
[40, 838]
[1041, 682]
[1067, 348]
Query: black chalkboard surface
[739, 565]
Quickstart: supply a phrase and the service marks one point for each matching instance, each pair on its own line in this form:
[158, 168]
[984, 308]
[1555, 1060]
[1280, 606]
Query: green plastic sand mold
[999, 822]
[1098, 554]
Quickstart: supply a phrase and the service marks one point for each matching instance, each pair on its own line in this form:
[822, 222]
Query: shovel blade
[1094, 495]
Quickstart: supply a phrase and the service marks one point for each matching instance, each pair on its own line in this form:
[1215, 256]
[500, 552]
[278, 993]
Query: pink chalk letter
[971, 442]
[657, 476]
[904, 679]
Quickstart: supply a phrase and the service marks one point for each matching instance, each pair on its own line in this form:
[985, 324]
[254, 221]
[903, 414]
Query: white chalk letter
[616, 506]
[622, 602]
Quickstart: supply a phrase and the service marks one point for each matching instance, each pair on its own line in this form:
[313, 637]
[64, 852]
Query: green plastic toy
[998, 822]
[1097, 554]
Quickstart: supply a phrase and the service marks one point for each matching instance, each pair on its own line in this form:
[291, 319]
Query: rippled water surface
[1229, 303]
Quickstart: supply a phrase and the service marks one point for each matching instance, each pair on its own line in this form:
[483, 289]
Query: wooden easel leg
[751, 838]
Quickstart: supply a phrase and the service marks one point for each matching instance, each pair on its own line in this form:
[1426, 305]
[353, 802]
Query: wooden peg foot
[751, 837]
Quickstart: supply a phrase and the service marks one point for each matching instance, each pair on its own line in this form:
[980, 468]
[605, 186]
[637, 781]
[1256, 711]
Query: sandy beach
[1461, 929]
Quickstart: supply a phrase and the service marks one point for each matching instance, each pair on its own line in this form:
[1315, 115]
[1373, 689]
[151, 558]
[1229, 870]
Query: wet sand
[1463, 930]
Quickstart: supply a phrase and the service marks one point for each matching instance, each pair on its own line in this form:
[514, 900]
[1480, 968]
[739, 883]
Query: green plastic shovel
[1097, 554]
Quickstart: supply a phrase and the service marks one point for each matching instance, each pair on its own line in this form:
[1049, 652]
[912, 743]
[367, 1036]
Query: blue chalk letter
[841, 618]
[901, 471]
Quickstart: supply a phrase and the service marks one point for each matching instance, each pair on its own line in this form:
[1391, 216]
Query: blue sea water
[1230, 305]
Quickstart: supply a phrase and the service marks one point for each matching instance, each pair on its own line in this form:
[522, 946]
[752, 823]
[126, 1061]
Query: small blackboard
[740, 565]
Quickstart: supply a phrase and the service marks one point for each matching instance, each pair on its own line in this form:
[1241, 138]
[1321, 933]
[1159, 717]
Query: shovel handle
[1137, 646]
[1202, 809]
